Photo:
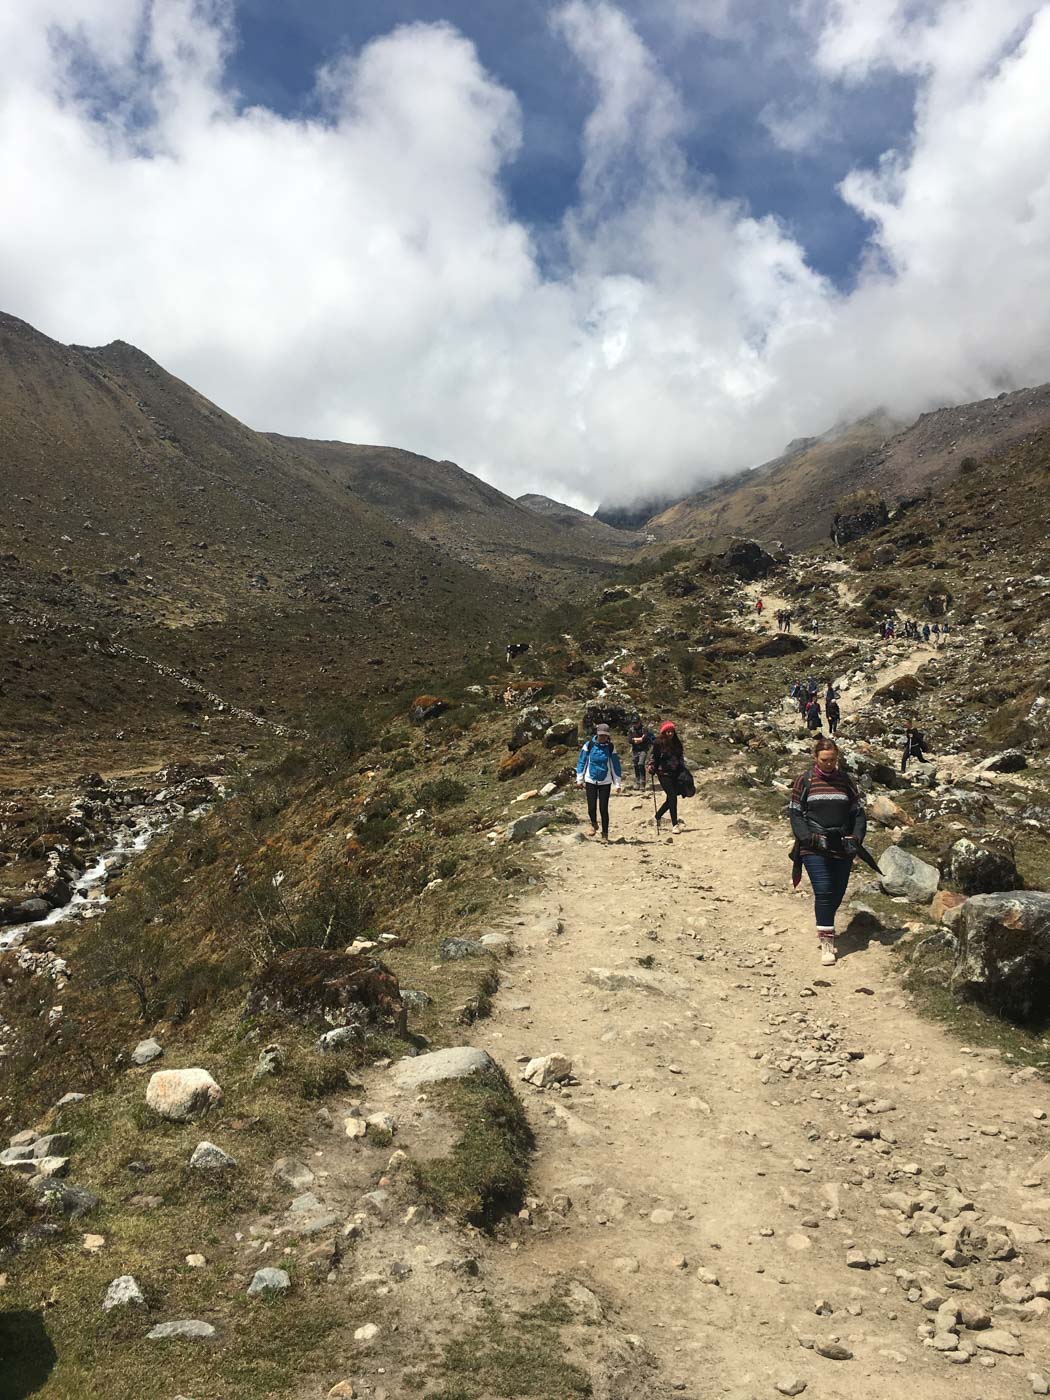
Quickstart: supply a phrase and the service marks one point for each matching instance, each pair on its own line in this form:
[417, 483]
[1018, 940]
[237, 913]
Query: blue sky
[601, 249]
[726, 79]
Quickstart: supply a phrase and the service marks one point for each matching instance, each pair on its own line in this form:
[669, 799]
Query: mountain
[441, 503]
[603, 536]
[141, 514]
[793, 498]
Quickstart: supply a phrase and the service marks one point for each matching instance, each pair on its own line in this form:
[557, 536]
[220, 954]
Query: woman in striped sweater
[828, 822]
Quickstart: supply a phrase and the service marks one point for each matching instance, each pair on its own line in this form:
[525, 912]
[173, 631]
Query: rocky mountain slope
[588, 526]
[475, 523]
[151, 539]
[793, 498]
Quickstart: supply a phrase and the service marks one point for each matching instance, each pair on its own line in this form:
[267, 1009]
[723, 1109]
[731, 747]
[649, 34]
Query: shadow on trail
[858, 936]
[27, 1354]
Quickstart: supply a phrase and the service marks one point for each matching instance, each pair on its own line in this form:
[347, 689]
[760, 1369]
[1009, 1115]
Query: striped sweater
[832, 803]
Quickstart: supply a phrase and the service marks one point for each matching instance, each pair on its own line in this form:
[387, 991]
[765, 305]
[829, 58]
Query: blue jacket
[597, 764]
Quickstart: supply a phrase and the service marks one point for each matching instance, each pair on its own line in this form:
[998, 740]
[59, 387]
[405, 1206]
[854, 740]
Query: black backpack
[685, 783]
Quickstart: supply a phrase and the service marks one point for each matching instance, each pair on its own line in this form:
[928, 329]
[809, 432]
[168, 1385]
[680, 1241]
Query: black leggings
[598, 799]
[670, 804]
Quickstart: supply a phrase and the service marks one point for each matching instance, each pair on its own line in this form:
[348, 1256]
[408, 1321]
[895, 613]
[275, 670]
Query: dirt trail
[712, 1125]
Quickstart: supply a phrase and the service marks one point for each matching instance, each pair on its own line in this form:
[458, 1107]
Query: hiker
[914, 745]
[828, 823]
[926, 631]
[787, 620]
[598, 770]
[666, 763]
[830, 693]
[642, 740]
[813, 715]
[833, 714]
[758, 606]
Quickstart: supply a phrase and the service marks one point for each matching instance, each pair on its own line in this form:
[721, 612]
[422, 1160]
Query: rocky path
[778, 1173]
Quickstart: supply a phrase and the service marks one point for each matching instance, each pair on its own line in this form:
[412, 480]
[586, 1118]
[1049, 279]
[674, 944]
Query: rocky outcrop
[326, 988]
[533, 723]
[747, 560]
[983, 866]
[858, 515]
[1003, 953]
[1009, 761]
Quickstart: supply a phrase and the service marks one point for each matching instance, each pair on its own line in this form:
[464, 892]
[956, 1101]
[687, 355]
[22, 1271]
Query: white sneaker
[827, 953]
[676, 828]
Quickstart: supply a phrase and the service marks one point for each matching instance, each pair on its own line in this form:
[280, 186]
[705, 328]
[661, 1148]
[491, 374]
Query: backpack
[685, 782]
[596, 769]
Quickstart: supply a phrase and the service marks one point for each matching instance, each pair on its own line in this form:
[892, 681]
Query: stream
[137, 828]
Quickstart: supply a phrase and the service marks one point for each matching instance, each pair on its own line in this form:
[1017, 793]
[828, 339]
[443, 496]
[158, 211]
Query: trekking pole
[656, 819]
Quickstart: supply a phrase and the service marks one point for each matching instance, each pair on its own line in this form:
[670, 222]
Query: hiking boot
[827, 953]
[592, 833]
[605, 838]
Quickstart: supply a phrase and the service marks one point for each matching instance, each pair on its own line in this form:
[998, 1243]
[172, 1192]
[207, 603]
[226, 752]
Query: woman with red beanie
[666, 763]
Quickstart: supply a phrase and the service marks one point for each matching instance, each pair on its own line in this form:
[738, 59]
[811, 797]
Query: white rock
[456, 1063]
[122, 1292]
[790, 1385]
[547, 1069]
[367, 1333]
[290, 1172]
[182, 1094]
[382, 1123]
[186, 1329]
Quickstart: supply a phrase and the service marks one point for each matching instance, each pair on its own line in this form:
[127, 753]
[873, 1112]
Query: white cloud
[358, 274]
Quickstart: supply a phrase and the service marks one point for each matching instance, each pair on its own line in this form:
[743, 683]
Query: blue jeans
[829, 876]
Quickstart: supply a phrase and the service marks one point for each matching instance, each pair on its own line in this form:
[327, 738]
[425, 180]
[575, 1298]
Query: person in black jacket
[641, 737]
[914, 745]
[666, 763]
[833, 714]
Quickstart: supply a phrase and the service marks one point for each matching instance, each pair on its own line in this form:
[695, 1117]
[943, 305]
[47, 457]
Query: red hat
[667, 727]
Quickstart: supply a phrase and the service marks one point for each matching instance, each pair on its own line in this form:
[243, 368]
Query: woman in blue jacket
[598, 770]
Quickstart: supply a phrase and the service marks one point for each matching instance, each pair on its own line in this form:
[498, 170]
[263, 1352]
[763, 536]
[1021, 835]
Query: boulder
[123, 1292]
[780, 644]
[1009, 761]
[886, 812]
[181, 1095]
[426, 707]
[206, 1157]
[296, 1175]
[439, 1065]
[902, 688]
[985, 866]
[459, 949]
[747, 560]
[613, 708]
[562, 731]
[268, 1283]
[146, 1051]
[546, 1070]
[945, 906]
[516, 763]
[325, 987]
[1003, 952]
[60, 1198]
[904, 874]
[858, 515]
[533, 723]
[525, 827]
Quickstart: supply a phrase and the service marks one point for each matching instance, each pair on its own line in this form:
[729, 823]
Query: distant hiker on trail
[666, 765]
[598, 770]
[833, 715]
[813, 715]
[926, 631]
[642, 740]
[758, 606]
[914, 746]
[830, 693]
[829, 825]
